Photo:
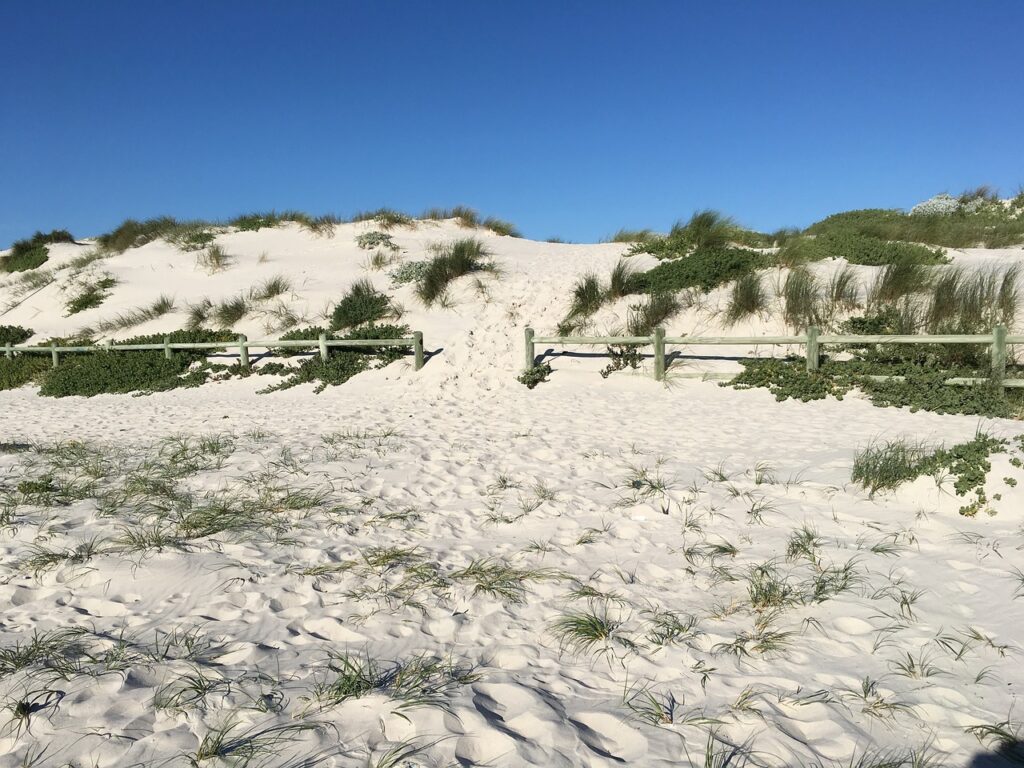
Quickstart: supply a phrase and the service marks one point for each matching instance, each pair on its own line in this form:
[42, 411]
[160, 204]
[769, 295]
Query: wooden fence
[243, 344]
[813, 339]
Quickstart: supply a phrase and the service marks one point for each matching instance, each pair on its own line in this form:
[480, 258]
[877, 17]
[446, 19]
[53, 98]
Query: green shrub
[25, 259]
[453, 260]
[32, 252]
[535, 375]
[23, 369]
[705, 269]
[14, 334]
[857, 248]
[94, 373]
[370, 240]
[310, 333]
[133, 234]
[991, 225]
[90, 295]
[386, 218]
[921, 388]
[343, 362]
[253, 222]
[748, 298]
[362, 304]
[410, 272]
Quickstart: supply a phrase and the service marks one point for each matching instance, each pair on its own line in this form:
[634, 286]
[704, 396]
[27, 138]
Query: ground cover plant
[362, 304]
[972, 220]
[14, 334]
[90, 293]
[32, 253]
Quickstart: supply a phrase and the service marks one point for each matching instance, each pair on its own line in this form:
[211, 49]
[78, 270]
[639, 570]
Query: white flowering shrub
[940, 205]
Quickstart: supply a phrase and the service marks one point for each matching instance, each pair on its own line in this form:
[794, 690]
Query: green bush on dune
[32, 252]
[14, 334]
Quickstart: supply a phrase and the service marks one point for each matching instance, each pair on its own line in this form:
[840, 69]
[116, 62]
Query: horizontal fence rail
[243, 344]
[998, 341]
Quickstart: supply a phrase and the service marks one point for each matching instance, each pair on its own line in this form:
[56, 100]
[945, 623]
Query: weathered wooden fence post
[167, 348]
[658, 339]
[531, 357]
[417, 349]
[243, 351]
[323, 347]
[813, 357]
[7, 351]
[53, 354]
[998, 353]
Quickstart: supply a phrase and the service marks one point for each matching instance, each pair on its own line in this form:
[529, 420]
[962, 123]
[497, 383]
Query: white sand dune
[613, 495]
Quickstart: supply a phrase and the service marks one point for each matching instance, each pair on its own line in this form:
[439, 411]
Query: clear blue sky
[568, 118]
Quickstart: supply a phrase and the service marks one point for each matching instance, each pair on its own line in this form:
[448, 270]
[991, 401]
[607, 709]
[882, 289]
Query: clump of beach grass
[452, 261]
[747, 298]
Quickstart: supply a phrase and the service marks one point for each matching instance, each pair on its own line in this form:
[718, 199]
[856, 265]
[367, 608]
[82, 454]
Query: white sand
[460, 424]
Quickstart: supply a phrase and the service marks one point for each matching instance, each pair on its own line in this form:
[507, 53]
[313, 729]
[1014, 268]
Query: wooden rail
[813, 339]
[243, 344]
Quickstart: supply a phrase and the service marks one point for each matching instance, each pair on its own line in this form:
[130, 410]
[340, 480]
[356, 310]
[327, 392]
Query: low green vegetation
[362, 304]
[133, 234]
[856, 248]
[974, 219]
[704, 269]
[467, 217]
[370, 240]
[450, 262]
[885, 466]
[748, 298]
[386, 218]
[534, 375]
[90, 293]
[343, 362]
[14, 334]
[918, 386]
[652, 312]
[590, 294]
[33, 253]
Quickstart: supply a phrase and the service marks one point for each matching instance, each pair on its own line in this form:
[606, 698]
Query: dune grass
[452, 261]
[896, 281]
[654, 311]
[747, 298]
[160, 306]
[386, 218]
[214, 259]
[270, 288]
[630, 236]
[228, 312]
[801, 299]
[32, 253]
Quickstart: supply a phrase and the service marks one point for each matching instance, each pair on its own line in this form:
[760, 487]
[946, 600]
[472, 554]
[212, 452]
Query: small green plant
[370, 240]
[14, 334]
[801, 296]
[230, 311]
[32, 253]
[386, 218]
[644, 317]
[747, 298]
[535, 375]
[134, 234]
[214, 259]
[361, 305]
[453, 260]
[501, 227]
[703, 269]
[90, 294]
